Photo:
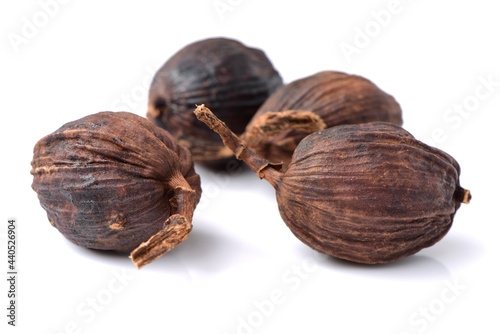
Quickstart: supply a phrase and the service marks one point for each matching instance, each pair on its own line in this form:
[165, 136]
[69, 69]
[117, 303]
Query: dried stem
[273, 122]
[262, 167]
[463, 195]
[176, 228]
[275, 135]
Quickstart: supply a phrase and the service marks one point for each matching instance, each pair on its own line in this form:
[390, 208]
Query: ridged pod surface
[113, 180]
[232, 77]
[368, 193]
[337, 98]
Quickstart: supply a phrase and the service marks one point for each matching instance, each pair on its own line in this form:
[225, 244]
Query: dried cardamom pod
[115, 181]
[276, 134]
[368, 193]
[337, 98]
[232, 77]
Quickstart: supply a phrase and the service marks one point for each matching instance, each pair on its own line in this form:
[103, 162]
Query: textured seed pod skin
[369, 193]
[232, 77]
[275, 135]
[338, 98]
[112, 180]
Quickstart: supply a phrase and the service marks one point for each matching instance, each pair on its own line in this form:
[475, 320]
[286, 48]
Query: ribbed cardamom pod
[115, 181]
[232, 77]
[368, 193]
[336, 98]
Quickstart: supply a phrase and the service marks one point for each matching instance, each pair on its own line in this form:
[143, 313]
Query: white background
[241, 270]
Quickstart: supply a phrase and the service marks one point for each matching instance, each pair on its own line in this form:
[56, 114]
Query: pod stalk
[262, 167]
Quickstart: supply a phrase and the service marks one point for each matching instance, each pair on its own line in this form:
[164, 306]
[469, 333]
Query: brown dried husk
[113, 180]
[337, 98]
[277, 134]
[232, 77]
[368, 193]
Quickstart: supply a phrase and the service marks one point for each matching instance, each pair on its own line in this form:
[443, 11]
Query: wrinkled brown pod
[337, 98]
[115, 181]
[232, 77]
[368, 193]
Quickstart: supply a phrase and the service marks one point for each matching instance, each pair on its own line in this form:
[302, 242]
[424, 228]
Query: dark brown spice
[232, 77]
[115, 181]
[337, 98]
[368, 193]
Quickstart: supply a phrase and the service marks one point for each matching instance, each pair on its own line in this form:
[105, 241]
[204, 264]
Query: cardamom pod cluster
[336, 98]
[115, 181]
[368, 193]
[350, 181]
[231, 77]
